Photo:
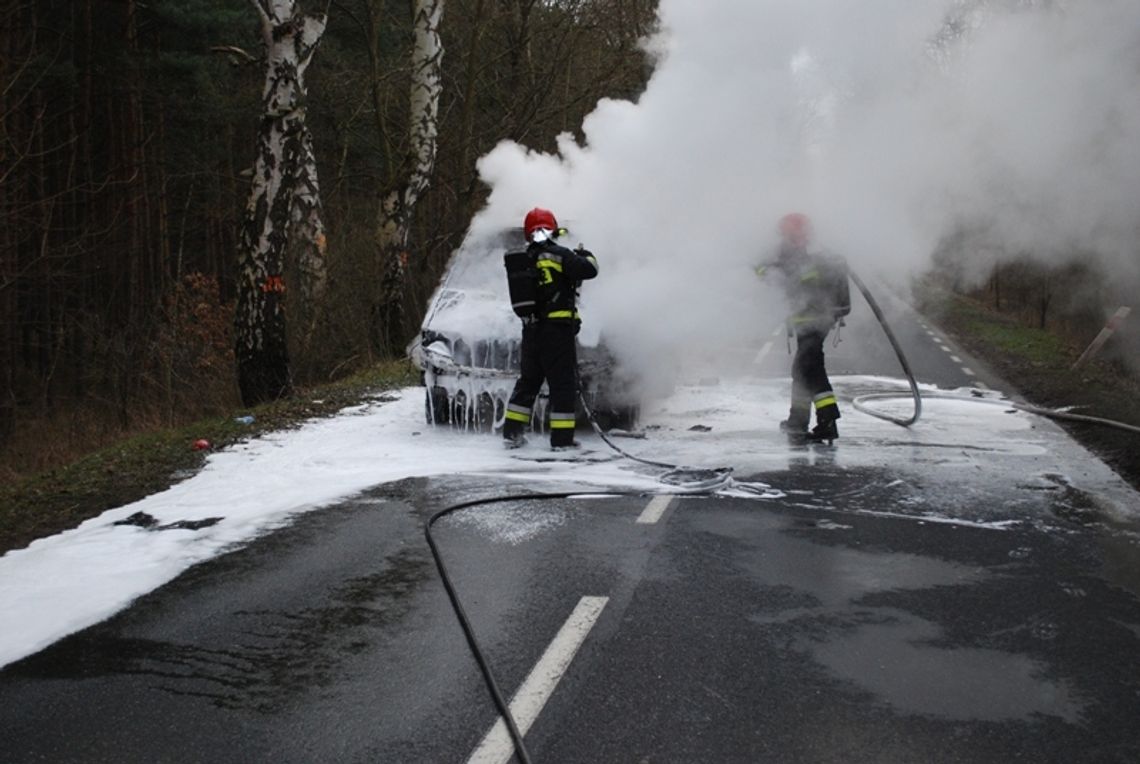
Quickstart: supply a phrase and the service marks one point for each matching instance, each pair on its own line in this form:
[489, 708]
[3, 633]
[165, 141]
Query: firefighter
[550, 327]
[817, 290]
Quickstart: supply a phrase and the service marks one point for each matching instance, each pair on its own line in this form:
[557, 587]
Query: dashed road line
[497, 746]
[956, 359]
[654, 509]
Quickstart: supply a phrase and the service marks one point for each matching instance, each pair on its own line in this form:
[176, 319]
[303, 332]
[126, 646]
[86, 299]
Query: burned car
[468, 349]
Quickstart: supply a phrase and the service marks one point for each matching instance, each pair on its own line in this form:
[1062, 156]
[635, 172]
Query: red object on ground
[201, 444]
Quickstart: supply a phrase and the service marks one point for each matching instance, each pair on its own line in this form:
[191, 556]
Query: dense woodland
[128, 137]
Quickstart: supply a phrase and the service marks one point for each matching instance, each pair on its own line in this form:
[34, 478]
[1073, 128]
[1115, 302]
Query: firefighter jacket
[815, 284]
[560, 273]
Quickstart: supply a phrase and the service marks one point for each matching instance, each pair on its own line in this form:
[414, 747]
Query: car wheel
[460, 413]
[437, 406]
[485, 412]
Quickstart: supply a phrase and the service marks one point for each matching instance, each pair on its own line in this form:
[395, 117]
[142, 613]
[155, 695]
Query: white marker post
[1112, 325]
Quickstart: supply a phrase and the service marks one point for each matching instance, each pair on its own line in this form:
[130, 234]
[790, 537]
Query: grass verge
[1039, 364]
[132, 469]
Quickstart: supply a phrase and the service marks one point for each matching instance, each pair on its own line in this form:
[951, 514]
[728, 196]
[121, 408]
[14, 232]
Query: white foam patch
[512, 524]
[69, 581]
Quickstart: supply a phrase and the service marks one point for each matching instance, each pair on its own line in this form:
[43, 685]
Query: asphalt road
[833, 624]
[726, 630]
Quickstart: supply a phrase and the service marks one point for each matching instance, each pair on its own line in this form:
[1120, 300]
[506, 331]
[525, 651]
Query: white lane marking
[527, 703]
[955, 359]
[655, 508]
[968, 371]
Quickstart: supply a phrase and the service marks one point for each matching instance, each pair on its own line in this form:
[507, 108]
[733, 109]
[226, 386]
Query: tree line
[190, 188]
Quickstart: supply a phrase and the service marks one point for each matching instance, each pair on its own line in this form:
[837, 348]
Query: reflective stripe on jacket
[560, 272]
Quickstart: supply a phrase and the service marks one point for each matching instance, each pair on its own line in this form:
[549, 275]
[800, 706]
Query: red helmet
[795, 228]
[539, 218]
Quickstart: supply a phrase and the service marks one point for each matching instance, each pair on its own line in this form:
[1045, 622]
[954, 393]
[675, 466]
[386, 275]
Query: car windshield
[472, 299]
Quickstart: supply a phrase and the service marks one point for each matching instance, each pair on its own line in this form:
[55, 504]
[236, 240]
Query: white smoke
[870, 117]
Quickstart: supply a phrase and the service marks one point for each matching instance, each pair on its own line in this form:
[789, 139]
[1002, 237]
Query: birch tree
[398, 203]
[307, 240]
[290, 37]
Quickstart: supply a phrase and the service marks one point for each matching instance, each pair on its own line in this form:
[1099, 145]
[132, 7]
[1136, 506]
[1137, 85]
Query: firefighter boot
[824, 431]
[795, 427]
[513, 436]
[796, 433]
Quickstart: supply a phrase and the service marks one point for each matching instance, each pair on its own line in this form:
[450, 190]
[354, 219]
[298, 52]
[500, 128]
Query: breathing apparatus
[522, 282]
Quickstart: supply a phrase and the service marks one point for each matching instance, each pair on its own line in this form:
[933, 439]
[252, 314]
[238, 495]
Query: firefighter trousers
[549, 352]
[811, 389]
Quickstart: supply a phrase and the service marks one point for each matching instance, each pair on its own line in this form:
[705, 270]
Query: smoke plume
[891, 123]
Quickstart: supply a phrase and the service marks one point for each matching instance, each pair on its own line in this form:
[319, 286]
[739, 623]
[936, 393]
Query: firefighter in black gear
[817, 289]
[550, 327]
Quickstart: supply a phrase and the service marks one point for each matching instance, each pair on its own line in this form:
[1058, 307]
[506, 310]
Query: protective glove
[587, 254]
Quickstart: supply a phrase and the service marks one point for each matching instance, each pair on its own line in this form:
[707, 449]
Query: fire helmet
[795, 228]
[539, 218]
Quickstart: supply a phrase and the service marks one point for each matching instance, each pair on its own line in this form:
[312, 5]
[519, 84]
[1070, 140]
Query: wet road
[809, 628]
[949, 602]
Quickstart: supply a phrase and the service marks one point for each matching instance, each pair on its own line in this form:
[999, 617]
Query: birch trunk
[307, 241]
[261, 350]
[467, 117]
[398, 204]
[8, 269]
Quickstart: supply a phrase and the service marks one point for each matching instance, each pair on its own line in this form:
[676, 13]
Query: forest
[135, 250]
